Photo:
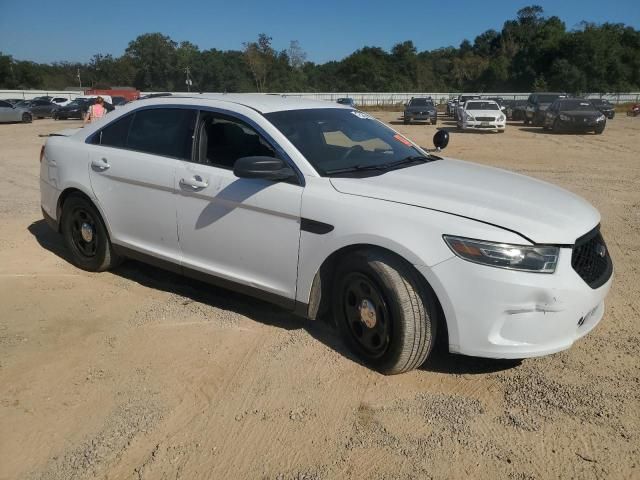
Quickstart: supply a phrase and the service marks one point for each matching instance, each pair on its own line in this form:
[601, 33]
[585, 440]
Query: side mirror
[267, 168]
[441, 139]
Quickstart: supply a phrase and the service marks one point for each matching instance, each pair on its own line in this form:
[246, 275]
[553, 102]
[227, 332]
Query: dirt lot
[139, 374]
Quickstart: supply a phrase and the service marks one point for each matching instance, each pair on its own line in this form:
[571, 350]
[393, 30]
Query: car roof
[263, 103]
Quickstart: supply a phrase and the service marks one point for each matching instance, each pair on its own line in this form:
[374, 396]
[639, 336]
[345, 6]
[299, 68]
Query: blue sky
[46, 31]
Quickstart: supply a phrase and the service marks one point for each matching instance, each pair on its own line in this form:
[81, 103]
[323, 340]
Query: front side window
[223, 139]
[5, 104]
[333, 139]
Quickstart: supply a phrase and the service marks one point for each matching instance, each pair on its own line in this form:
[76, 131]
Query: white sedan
[482, 115]
[328, 212]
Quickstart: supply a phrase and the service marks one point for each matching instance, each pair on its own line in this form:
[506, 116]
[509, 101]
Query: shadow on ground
[149, 276]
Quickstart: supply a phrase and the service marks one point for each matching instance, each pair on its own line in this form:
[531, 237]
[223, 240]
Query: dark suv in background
[605, 106]
[420, 108]
[537, 104]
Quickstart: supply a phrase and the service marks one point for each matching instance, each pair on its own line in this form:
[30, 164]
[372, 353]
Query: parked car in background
[277, 197]
[13, 101]
[74, 110]
[60, 101]
[537, 104]
[605, 106]
[14, 113]
[347, 101]
[452, 104]
[39, 108]
[482, 115]
[574, 115]
[420, 109]
[514, 109]
[118, 101]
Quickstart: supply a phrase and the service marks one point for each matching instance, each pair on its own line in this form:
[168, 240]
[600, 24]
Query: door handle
[196, 182]
[100, 165]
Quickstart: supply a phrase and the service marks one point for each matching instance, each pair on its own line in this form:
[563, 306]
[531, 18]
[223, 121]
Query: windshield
[336, 139]
[575, 105]
[547, 98]
[601, 103]
[420, 102]
[481, 106]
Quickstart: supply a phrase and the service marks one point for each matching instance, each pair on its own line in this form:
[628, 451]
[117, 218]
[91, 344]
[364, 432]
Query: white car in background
[482, 115]
[328, 212]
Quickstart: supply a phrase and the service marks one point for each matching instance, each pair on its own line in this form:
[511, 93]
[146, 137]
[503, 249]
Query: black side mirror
[441, 139]
[268, 168]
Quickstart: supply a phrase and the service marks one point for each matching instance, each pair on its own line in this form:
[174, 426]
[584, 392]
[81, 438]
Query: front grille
[591, 259]
[486, 119]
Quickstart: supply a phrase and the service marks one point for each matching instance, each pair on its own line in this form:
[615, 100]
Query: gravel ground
[140, 374]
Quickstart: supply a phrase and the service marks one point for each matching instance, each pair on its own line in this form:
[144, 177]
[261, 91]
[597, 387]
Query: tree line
[530, 52]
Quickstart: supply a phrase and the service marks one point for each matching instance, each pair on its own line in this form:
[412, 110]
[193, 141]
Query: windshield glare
[481, 106]
[334, 138]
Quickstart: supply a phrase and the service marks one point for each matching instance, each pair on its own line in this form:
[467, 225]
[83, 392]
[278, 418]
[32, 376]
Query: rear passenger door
[132, 171]
[243, 230]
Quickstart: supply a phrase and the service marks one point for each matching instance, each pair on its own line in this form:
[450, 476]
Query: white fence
[361, 98]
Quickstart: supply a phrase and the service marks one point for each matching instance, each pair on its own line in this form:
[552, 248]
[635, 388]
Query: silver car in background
[12, 113]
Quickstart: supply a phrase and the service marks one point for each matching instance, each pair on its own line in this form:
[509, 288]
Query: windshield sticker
[362, 115]
[401, 139]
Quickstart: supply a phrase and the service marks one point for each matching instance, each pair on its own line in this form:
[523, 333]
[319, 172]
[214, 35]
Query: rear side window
[163, 131]
[5, 104]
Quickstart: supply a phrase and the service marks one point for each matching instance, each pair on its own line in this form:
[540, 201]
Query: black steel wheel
[385, 311]
[86, 236]
[366, 314]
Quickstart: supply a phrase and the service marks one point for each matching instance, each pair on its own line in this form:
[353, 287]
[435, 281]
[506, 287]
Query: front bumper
[498, 313]
[424, 117]
[483, 125]
[579, 125]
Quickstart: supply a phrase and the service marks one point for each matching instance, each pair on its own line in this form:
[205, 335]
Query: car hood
[539, 211]
[484, 113]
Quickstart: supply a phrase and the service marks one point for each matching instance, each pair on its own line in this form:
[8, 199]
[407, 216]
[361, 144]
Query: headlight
[564, 118]
[501, 118]
[503, 255]
[600, 118]
[468, 116]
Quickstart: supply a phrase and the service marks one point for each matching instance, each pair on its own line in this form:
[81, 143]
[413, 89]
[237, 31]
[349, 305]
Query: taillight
[41, 153]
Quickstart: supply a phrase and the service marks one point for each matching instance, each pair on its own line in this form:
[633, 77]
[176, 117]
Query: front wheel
[599, 130]
[86, 236]
[26, 118]
[386, 313]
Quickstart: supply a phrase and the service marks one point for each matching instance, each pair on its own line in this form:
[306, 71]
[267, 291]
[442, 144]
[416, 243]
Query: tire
[26, 118]
[526, 121]
[599, 130]
[555, 127]
[96, 255]
[406, 122]
[388, 293]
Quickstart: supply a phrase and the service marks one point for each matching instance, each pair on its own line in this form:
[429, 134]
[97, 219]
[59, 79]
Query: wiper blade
[383, 166]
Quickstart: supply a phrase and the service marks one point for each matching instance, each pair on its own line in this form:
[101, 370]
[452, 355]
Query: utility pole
[188, 80]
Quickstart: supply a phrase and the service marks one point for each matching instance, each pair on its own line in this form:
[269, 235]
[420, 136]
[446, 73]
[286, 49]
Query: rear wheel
[386, 314]
[26, 118]
[86, 236]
